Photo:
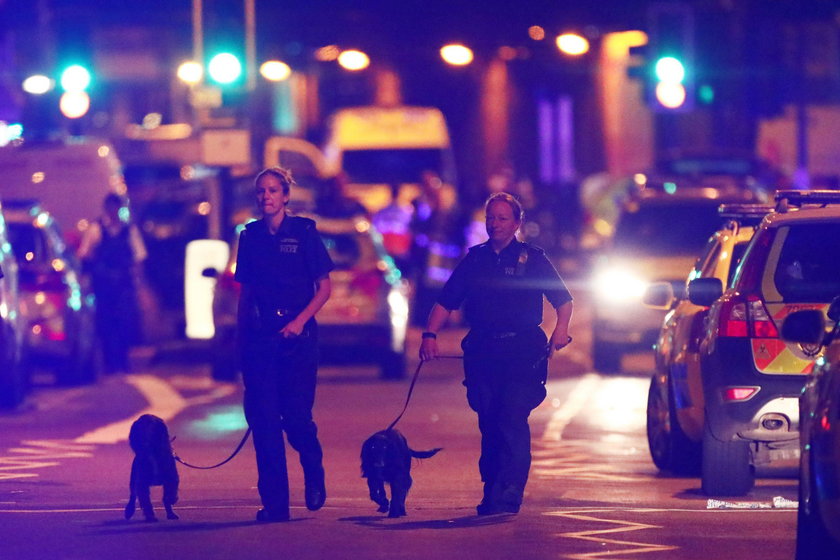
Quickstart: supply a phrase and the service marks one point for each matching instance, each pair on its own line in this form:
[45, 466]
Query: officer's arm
[245, 308]
[560, 337]
[437, 319]
[323, 289]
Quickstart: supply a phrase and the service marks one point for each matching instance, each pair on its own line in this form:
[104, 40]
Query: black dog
[386, 457]
[153, 465]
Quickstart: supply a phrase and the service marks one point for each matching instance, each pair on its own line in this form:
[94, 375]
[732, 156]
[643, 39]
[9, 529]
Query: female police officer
[284, 269]
[502, 283]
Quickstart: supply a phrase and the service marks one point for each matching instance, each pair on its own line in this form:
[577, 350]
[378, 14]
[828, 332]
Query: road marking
[571, 407]
[572, 460]
[39, 454]
[597, 535]
[164, 401]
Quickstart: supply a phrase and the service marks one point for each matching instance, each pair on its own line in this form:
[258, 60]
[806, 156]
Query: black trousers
[280, 377]
[505, 376]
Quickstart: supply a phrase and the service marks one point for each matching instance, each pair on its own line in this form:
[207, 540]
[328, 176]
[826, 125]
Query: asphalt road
[593, 492]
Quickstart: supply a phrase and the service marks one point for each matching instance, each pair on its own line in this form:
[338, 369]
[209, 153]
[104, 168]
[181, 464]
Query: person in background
[112, 251]
[333, 200]
[394, 223]
[284, 269]
[501, 284]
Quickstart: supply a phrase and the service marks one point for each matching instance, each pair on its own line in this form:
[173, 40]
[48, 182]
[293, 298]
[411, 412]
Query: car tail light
[731, 394]
[745, 316]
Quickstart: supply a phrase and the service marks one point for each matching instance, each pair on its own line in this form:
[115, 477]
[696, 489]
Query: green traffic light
[224, 68]
[75, 78]
[669, 69]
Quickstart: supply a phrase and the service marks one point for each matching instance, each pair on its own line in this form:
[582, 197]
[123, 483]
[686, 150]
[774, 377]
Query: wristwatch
[429, 334]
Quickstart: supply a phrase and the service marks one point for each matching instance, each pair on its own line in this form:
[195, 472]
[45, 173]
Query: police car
[818, 519]
[675, 399]
[752, 378]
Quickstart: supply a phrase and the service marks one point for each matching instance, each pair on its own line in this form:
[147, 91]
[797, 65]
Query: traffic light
[75, 101]
[671, 54]
[225, 68]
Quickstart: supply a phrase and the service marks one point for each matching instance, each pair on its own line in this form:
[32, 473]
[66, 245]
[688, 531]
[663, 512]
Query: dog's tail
[424, 454]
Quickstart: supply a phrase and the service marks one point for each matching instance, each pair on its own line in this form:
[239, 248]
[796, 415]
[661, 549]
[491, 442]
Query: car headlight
[616, 285]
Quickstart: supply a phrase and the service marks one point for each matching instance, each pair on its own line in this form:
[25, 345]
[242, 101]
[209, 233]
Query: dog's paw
[129, 511]
[383, 507]
[151, 519]
[172, 515]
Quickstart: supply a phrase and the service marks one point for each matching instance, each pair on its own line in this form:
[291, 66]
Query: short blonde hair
[281, 173]
[509, 199]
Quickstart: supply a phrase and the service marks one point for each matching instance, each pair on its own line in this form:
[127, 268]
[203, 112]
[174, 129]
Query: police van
[382, 146]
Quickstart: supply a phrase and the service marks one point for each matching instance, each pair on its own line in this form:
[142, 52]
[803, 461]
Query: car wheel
[392, 366]
[726, 466]
[670, 448]
[606, 356]
[813, 541]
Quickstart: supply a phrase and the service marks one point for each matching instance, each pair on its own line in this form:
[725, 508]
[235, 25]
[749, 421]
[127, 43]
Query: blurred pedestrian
[334, 201]
[394, 223]
[501, 284]
[284, 268]
[112, 251]
[438, 243]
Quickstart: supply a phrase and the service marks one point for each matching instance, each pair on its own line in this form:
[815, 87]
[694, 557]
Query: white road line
[571, 407]
[164, 401]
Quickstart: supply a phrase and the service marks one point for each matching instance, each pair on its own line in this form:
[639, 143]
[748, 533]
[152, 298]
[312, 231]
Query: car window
[737, 254]
[809, 263]
[681, 228]
[28, 243]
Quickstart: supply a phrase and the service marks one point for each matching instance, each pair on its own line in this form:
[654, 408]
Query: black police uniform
[279, 374]
[505, 354]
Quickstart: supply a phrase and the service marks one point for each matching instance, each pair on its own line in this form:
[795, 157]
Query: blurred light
[74, 104]
[706, 94]
[670, 94]
[669, 69]
[353, 60]
[619, 286]
[190, 72]
[327, 54]
[10, 132]
[507, 53]
[38, 177]
[37, 84]
[103, 151]
[669, 187]
[536, 33]
[224, 68]
[75, 78]
[456, 55]
[152, 120]
[275, 71]
[572, 44]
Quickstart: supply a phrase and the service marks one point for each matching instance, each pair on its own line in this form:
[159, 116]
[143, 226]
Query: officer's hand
[559, 340]
[428, 349]
[293, 329]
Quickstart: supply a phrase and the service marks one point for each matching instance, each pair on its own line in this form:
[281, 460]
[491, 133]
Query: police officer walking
[284, 269]
[502, 283]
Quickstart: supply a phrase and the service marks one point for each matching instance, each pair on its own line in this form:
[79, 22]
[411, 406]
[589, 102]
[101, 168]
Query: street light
[353, 60]
[37, 84]
[275, 70]
[456, 55]
[190, 72]
[572, 44]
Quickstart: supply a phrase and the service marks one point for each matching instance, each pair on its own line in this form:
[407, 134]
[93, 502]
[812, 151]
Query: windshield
[392, 166]
[678, 228]
[29, 244]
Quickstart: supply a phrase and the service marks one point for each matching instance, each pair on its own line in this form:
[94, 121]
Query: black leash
[235, 451]
[413, 382]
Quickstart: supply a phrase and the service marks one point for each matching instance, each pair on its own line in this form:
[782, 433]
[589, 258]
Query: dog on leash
[386, 457]
[153, 465]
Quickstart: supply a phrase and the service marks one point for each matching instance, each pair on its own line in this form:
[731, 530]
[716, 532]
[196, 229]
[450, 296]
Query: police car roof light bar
[744, 212]
[787, 198]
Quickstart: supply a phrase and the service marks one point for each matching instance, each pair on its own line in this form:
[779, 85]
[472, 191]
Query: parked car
[752, 378]
[675, 399]
[658, 235]
[57, 308]
[365, 319]
[818, 520]
[14, 380]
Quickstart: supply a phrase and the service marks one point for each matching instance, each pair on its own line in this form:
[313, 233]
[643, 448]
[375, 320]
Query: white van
[69, 177]
[381, 146]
